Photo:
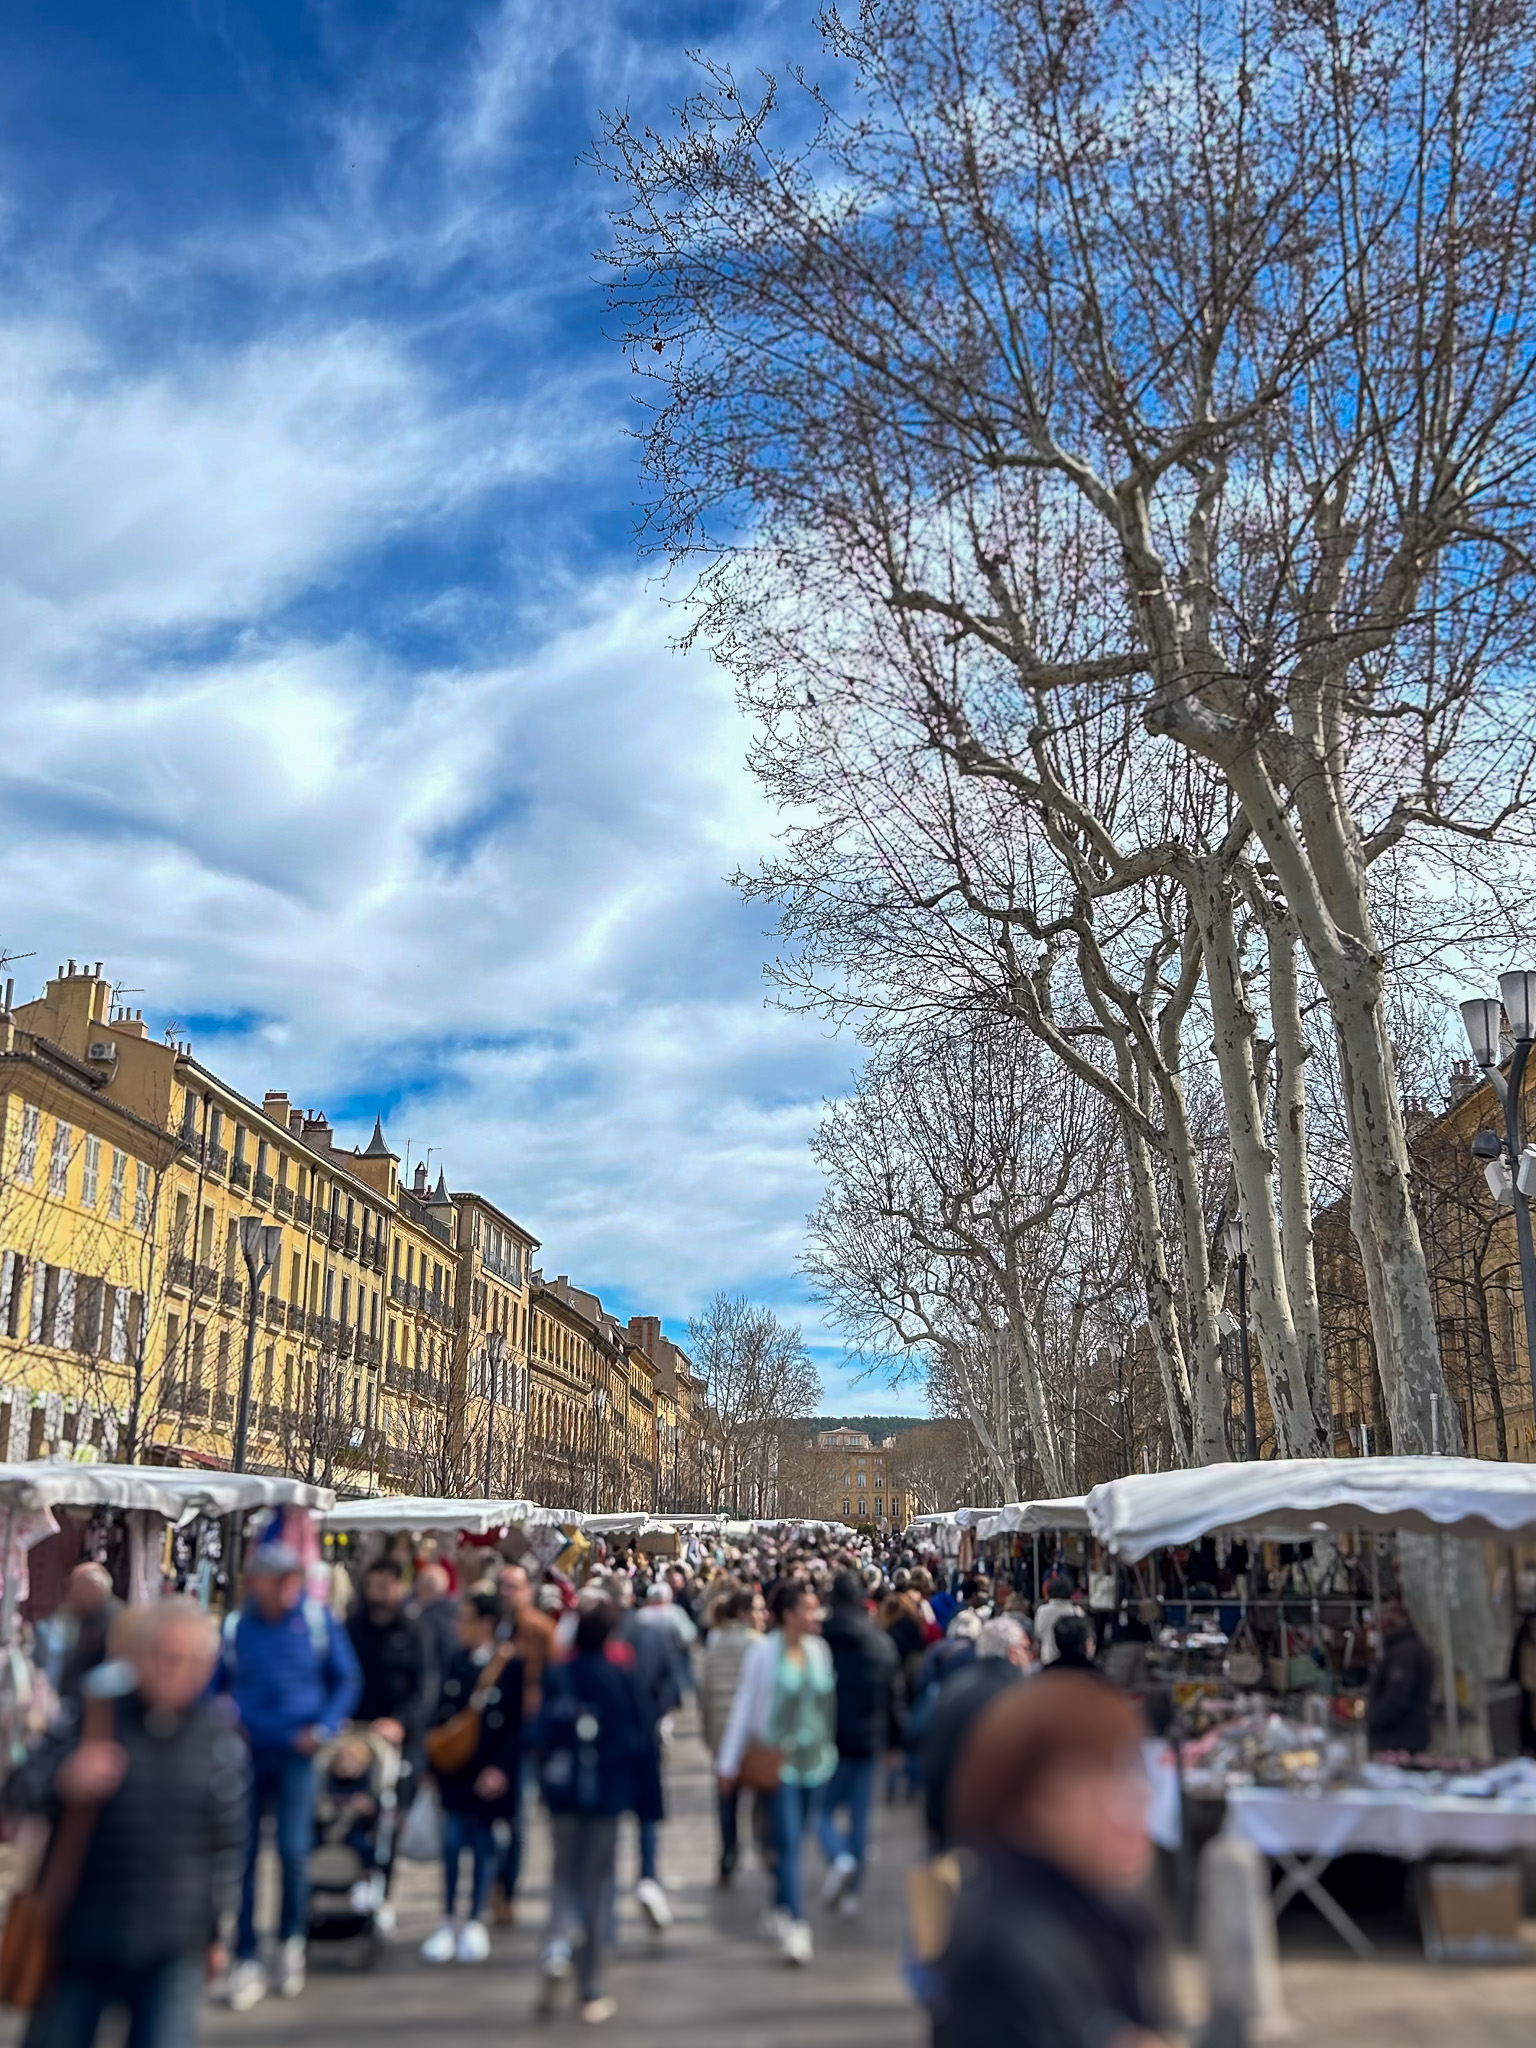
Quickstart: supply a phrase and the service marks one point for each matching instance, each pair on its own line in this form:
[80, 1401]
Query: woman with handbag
[782, 1738]
[474, 1751]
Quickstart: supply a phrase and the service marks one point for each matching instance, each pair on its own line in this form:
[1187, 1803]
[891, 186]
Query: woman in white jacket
[786, 1702]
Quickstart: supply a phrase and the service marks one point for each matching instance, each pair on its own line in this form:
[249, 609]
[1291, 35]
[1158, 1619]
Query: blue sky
[336, 713]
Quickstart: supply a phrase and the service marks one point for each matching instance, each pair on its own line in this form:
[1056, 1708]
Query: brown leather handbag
[29, 1942]
[451, 1746]
[762, 1768]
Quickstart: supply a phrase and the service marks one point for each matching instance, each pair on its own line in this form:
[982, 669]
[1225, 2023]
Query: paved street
[713, 1984]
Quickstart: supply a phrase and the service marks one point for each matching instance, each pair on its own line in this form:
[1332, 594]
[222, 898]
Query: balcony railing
[282, 1200]
[301, 1209]
[296, 1317]
[240, 1174]
[231, 1292]
[262, 1187]
[380, 1254]
[353, 1240]
[216, 1161]
[275, 1312]
[338, 1232]
[196, 1278]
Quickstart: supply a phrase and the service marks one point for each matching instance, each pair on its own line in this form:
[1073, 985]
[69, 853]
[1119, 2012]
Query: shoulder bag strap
[60, 1876]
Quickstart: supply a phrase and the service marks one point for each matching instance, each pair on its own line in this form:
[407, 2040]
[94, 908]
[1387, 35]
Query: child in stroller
[356, 1813]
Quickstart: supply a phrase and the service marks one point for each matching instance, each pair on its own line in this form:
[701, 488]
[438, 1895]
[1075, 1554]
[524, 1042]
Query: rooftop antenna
[173, 1030]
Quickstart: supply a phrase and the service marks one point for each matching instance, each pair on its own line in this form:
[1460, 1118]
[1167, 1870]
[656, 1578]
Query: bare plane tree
[1177, 360]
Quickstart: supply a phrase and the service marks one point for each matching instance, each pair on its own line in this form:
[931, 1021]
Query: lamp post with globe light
[1508, 1162]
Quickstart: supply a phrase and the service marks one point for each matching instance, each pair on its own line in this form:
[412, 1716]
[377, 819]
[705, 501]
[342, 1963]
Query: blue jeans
[471, 1831]
[796, 1809]
[852, 1787]
[282, 1781]
[161, 2001]
[509, 1860]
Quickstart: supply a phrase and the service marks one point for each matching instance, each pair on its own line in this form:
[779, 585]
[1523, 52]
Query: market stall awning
[389, 1512]
[175, 1491]
[1294, 1498]
[1029, 1517]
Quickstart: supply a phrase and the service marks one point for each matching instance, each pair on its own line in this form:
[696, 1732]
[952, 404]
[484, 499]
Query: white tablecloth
[1379, 1823]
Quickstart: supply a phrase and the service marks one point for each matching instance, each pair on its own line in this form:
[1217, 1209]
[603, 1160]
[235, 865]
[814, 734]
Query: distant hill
[872, 1425]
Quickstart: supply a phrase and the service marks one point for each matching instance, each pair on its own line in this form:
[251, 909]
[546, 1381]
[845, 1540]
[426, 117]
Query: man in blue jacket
[294, 1677]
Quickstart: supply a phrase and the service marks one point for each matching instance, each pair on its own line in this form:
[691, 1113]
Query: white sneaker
[841, 1872]
[797, 1943]
[245, 1986]
[384, 1919]
[474, 1942]
[654, 1903]
[442, 1945]
[772, 1925]
[291, 1959]
[554, 1975]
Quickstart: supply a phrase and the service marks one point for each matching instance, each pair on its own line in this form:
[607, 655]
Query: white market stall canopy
[635, 1526]
[952, 1518]
[388, 1512]
[178, 1492]
[1029, 1517]
[1294, 1498]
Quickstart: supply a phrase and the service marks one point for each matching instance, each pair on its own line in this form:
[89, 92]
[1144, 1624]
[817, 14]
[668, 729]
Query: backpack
[571, 1768]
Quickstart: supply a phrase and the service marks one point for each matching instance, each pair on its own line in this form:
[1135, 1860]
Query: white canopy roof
[1027, 1517]
[952, 1518]
[176, 1491]
[1299, 1497]
[629, 1525]
[471, 1517]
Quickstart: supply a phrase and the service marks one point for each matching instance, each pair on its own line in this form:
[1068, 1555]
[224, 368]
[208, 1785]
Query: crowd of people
[825, 1679]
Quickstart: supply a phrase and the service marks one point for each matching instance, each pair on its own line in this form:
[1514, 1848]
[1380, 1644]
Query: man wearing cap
[294, 1678]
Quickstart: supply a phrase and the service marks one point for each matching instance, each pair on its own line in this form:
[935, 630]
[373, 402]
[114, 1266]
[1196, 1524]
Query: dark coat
[501, 1735]
[398, 1681]
[660, 1661]
[439, 1622]
[608, 1768]
[868, 1682]
[1035, 1961]
[1402, 1680]
[963, 1696]
[166, 1851]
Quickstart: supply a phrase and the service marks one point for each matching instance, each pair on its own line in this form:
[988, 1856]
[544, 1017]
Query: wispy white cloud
[314, 729]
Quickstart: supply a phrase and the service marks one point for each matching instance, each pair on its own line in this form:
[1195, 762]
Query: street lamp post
[495, 1353]
[261, 1244]
[1237, 1247]
[599, 1410]
[1510, 1165]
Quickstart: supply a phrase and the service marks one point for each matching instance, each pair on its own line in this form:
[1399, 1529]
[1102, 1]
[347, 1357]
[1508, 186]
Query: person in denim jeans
[294, 1679]
[787, 1702]
[869, 1726]
[162, 1774]
[484, 1790]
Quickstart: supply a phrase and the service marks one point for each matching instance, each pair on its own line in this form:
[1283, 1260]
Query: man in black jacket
[869, 1708]
[151, 1807]
[1402, 1682]
[391, 1650]
[1002, 1659]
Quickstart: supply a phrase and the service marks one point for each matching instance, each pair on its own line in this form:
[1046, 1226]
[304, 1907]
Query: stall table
[1304, 1831]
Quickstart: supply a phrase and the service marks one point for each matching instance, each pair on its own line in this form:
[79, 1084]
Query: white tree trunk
[1234, 1028]
[1296, 1236]
[1162, 1318]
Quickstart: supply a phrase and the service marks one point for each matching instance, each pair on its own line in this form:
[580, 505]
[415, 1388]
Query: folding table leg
[1304, 1875]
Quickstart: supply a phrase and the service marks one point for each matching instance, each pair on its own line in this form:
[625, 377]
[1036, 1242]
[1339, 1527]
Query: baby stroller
[357, 1779]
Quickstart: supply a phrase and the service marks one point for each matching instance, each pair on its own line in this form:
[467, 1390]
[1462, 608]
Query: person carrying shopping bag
[782, 1738]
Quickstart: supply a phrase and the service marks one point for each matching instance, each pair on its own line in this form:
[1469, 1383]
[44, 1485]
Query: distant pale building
[854, 1482]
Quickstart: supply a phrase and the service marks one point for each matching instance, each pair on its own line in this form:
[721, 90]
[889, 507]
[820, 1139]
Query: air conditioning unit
[101, 1051]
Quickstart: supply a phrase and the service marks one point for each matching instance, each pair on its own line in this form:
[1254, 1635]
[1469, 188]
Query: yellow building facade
[401, 1340]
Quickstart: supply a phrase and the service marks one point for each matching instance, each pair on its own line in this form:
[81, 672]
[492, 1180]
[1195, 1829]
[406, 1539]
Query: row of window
[863, 1507]
[68, 1311]
[103, 1177]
